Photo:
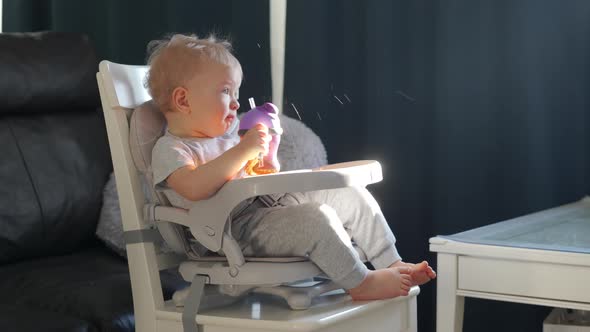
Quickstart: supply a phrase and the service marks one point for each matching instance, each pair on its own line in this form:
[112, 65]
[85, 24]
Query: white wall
[0, 15]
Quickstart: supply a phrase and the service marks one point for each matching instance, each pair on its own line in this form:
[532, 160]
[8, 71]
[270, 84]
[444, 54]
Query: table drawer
[532, 279]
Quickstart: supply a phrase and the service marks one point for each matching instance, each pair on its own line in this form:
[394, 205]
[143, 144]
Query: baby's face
[213, 100]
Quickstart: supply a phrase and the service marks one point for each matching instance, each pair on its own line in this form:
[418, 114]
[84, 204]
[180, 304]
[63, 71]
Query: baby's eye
[225, 90]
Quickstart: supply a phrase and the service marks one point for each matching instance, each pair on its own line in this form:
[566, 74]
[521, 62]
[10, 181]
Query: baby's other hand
[256, 141]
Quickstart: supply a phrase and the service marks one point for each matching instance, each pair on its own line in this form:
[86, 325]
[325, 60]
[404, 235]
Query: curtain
[120, 30]
[477, 111]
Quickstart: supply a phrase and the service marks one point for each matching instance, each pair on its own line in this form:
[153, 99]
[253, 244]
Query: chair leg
[191, 306]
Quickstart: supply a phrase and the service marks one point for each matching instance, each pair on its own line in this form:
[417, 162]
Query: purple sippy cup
[267, 114]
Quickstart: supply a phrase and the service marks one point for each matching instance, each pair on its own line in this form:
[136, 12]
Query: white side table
[541, 258]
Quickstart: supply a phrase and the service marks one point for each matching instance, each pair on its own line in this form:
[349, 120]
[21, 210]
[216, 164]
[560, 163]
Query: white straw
[251, 101]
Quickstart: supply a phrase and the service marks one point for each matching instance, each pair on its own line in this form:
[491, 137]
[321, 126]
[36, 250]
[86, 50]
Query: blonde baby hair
[174, 61]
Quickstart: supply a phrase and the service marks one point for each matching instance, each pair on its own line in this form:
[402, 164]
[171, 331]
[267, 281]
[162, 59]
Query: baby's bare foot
[421, 272]
[383, 284]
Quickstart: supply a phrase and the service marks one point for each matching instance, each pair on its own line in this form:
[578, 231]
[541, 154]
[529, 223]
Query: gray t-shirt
[172, 152]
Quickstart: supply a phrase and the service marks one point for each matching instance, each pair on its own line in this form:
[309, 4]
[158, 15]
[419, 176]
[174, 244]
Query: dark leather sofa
[54, 274]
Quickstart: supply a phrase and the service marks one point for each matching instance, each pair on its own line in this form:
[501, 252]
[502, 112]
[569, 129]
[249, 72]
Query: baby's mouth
[230, 119]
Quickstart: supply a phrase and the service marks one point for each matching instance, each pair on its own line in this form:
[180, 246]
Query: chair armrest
[208, 217]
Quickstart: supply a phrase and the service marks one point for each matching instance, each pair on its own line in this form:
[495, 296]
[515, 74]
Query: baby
[195, 83]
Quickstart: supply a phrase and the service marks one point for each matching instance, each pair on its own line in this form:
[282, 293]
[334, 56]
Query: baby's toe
[406, 279]
[422, 266]
[431, 273]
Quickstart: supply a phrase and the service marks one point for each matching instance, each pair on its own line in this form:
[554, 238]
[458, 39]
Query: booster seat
[133, 126]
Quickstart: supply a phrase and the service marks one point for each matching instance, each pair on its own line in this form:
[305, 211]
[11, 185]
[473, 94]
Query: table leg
[449, 306]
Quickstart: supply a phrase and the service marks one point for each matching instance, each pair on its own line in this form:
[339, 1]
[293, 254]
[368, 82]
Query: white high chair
[126, 105]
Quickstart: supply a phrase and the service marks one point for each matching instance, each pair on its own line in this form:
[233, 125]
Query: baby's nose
[234, 105]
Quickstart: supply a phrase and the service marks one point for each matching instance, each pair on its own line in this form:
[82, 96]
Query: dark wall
[477, 111]
[121, 29]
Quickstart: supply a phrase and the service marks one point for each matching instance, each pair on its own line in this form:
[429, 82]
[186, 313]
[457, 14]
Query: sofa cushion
[45, 71]
[92, 285]
[55, 156]
[19, 318]
[52, 184]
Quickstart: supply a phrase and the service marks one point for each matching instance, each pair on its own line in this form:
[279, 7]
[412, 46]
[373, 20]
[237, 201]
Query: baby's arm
[196, 183]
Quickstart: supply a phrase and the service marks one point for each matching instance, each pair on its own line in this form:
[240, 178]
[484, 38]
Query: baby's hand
[256, 141]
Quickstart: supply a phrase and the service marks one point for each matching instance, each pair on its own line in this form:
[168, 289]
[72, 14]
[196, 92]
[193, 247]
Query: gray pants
[321, 225]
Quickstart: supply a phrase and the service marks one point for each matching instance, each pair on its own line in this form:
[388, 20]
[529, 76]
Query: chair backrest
[127, 89]
[145, 124]
[122, 90]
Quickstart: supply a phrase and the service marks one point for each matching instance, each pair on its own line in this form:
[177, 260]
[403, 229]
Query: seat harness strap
[191, 306]
[142, 235]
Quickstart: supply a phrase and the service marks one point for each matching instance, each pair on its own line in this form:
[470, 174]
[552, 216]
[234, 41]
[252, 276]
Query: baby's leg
[311, 230]
[364, 221]
[314, 230]
[362, 218]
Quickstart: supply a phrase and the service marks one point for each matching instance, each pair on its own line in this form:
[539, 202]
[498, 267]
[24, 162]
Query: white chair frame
[121, 89]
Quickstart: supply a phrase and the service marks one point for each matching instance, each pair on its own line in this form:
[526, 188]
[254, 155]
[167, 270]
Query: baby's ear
[180, 99]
